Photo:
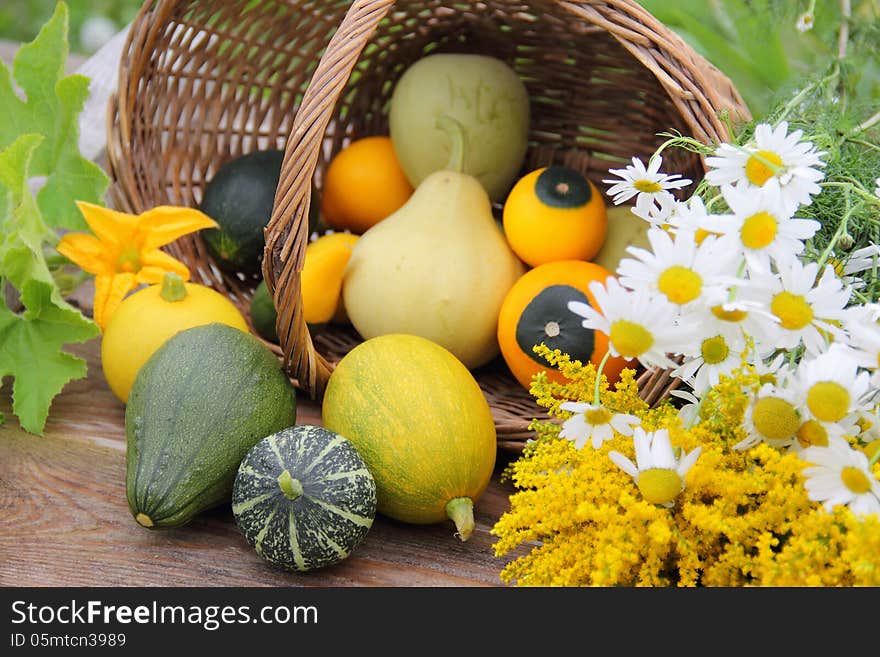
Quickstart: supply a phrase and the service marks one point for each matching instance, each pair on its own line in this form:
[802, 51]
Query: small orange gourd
[145, 320]
[554, 213]
[535, 311]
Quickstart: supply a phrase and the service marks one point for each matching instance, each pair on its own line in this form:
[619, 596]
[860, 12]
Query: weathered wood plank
[64, 520]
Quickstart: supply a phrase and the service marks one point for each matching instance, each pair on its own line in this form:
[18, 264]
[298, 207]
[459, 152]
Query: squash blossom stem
[461, 511]
[599, 377]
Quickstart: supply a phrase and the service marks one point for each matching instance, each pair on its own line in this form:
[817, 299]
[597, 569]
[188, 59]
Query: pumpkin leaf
[31, 340]
[49, 104]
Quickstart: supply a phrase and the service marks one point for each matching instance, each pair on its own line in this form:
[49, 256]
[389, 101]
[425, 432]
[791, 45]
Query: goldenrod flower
[124, 251]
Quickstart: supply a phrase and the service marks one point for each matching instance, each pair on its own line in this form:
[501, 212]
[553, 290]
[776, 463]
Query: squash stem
[173, 287]
[461, 511]
[291, 487]
[455, 130]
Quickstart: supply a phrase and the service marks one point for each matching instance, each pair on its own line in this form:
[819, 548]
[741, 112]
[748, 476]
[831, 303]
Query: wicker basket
[202, 81]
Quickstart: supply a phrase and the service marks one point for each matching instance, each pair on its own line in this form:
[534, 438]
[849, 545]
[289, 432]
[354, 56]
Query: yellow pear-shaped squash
[145, 320]
[438, 268]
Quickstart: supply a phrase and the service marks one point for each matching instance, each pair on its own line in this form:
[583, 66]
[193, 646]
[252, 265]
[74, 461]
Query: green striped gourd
[304, 498]
[198, 404]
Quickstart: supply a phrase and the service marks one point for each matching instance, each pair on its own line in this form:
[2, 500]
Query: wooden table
[64, 519]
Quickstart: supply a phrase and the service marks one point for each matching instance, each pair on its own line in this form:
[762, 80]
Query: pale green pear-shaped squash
[484, 95]
[438, 268]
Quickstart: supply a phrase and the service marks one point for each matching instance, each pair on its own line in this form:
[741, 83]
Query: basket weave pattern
[203, 81]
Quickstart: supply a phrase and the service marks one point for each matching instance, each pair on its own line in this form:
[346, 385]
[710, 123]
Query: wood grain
[64, 520]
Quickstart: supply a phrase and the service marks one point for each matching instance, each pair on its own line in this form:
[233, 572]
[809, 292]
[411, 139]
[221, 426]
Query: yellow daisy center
[855, 480]
[714, 350]
[129, 260]
[659, 485]
[871, 449]
[630, 339]
[828, 401]
[680, 284]
[793, 311]
[647, 186]
[729, 315]
[812, 433]
[775, 418]
[759, 230]
[757, 172]
[597, 416]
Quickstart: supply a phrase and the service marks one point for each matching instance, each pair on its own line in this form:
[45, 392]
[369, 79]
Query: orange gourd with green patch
[535, 311]
[554, 213]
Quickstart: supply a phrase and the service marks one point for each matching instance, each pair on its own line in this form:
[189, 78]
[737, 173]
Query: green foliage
[38, 137]
[21, 20]
[758, 45]
[53, 103]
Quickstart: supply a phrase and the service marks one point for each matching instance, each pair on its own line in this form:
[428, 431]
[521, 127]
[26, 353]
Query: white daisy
[869, 425]
[863, 336]
[679, 269]
[660, 212]
[805, 310]
[736, 319]
[813, 433]
[594, 422]
[648, 185]
[691, 217]
[841, 475]
[860, 260]
[805, 22]
[657, 472]
[831, 385]
[773, 417]
[763, 230]
[717, 356]
[638, 324]
[772, 154]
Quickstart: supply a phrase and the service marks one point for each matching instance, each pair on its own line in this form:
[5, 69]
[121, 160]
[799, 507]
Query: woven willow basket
[203, 81]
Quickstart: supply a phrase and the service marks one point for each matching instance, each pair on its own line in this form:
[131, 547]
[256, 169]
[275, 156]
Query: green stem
[841, 230]
[805, 92]
[455, 130]
[173, 287]
[599, 377]
[461, 511]
[291, 487]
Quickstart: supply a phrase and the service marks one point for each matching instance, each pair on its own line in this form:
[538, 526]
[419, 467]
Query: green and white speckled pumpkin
[304, 498]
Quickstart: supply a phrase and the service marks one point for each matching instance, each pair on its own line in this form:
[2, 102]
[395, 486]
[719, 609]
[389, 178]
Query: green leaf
[50, 108]
[31, 342]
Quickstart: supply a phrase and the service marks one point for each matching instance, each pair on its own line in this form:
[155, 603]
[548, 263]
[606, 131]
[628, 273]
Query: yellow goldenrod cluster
[743, 517]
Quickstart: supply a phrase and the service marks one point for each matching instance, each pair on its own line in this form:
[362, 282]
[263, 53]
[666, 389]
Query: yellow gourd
[146, 319]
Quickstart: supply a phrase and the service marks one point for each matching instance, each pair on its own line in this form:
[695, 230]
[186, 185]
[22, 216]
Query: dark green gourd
[304, 498]
[200, 402]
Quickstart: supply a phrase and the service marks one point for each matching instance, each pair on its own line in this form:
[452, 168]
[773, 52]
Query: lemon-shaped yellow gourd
[554, 213]
[146, 319]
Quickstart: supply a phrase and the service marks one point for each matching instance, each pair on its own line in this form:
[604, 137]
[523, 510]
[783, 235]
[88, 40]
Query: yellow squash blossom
[124, 251]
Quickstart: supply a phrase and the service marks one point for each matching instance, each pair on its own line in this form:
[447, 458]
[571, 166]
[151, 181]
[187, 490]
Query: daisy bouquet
[762, 468]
